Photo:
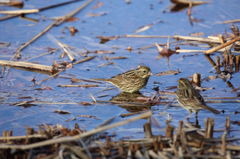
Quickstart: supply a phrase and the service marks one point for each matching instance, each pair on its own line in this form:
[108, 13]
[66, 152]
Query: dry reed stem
[196, 78]
[231, 21]
[148, 130]
[27, 65]
[20, 11]
[222, 45]
[209, 127]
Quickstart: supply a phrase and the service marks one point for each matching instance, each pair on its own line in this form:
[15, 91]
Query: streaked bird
[131, 81]
[189, 98]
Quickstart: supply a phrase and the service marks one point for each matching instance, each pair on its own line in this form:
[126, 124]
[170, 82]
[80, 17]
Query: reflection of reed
[131, 102]
[229, 63]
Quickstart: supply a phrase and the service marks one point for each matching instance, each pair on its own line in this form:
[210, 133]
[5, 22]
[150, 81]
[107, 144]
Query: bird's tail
[215, 111]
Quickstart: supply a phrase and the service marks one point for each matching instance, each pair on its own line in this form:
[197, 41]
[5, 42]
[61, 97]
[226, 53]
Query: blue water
[120, 19]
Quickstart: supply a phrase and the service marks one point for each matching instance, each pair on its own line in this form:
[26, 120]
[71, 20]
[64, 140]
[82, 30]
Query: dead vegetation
[187, 140]
[184, 141]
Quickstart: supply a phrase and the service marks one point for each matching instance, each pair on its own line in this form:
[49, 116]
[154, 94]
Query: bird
[189, 98]
[131, 81]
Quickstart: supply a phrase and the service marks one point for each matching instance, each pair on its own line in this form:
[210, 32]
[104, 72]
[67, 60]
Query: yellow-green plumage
[131, 81]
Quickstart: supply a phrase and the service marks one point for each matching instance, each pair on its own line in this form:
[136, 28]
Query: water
[119, 19]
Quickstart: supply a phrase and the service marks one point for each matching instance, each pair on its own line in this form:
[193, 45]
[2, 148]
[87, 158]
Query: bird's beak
[150, 73]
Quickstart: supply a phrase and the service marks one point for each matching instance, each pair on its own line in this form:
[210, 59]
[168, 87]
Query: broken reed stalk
[27, 65]
[147, 130]
[76, 137]
[209, 128]
[55, 23]
[222, 45]
[223, 146]
[169, 131]
[228, 124]
[196, 78]
[6, 135]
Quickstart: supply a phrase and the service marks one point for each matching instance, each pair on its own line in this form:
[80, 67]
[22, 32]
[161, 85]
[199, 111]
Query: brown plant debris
[62, 112]
[185, 141]
[72, 30]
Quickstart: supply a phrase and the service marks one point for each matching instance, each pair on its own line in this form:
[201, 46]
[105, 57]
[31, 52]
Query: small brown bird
[132, 80]
[190, 99]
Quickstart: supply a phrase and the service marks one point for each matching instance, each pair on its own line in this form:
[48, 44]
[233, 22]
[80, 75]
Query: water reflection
[133, 102]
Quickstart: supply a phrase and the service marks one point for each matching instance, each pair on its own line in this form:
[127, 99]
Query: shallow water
[119, 19]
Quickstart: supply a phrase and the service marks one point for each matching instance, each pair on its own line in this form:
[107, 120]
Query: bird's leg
[188, 116]
[196, 114]
[196, 119]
